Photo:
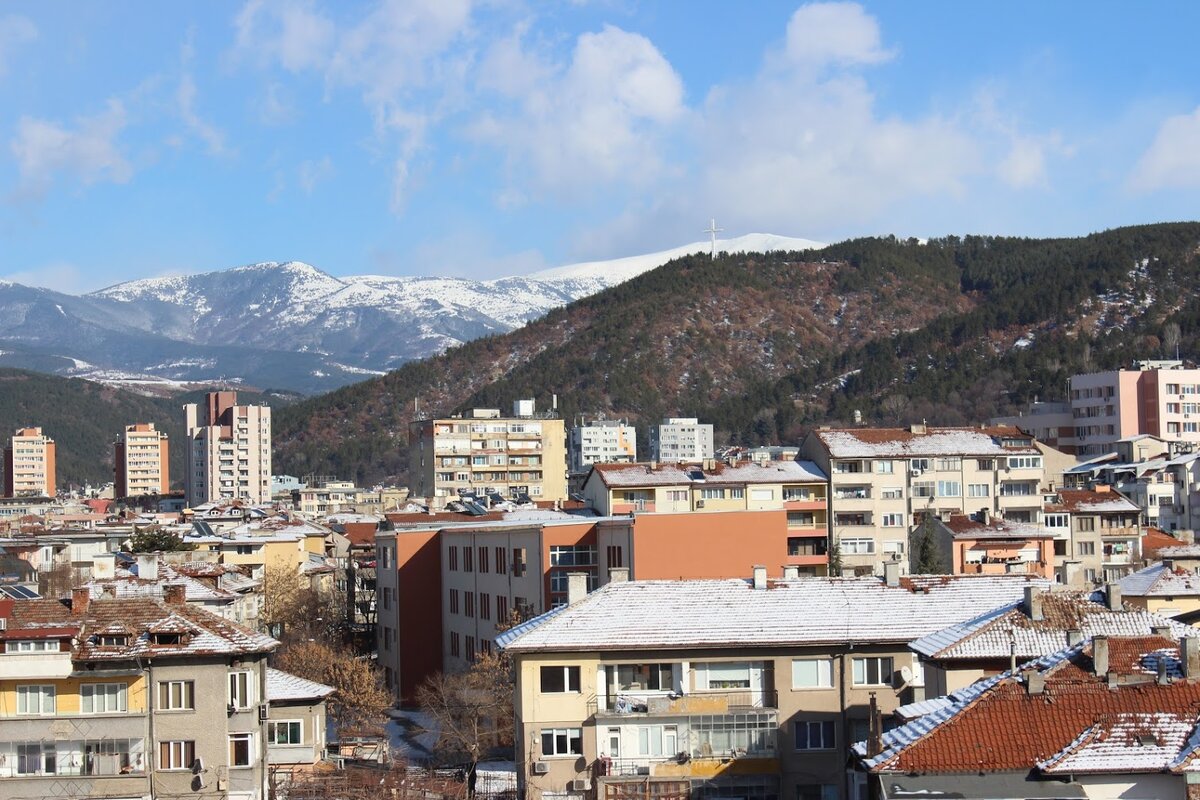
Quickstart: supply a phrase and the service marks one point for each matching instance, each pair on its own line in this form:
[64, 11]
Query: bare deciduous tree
[359, 700]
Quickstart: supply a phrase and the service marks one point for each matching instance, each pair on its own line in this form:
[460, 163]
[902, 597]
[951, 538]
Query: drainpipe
[845, 724]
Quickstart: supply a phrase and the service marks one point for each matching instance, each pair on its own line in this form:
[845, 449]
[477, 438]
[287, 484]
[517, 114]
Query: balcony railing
[673, 704]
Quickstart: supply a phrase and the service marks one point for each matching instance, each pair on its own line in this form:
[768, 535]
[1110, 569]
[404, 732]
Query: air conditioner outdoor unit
[581, 785]
[540, 768]
[699, 504]
[263, 712]
[915, 471]
[198, 765]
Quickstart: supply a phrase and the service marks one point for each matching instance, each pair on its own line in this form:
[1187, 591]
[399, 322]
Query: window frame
[570, 674]
[570, 737]
[884, 678]
[241, 688]
[41, 691]
[274, 726]
[827, 675]
[169, 749]
[251, 754]
[825, 727]
[187, 696]
[122, 697]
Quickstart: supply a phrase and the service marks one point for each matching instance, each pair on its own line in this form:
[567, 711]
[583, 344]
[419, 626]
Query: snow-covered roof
[285, 687]
[1125, 742]
[904, 443]
[729, 613]
[1180, 551]
[993, 635]
[1158, 581]
[739, 473]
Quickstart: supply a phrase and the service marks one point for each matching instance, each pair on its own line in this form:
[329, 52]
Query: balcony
[1120, 533]
[671, 704]
[696, 764]
[50, 666]
[626, 506]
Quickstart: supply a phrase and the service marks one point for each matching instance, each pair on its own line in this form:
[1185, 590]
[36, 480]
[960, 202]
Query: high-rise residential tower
[29, 464]
[140, 461]
[228, 450]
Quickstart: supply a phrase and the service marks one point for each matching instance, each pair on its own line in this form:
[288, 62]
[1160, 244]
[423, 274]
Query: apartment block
[476, 573]
[602, 441]
[983, 545]
[482, 452]
[681, 439]
[884, 481]
[228, 451]
[1161, 398]
[116, 697]
[141, 461]
[29, 466]
[731, 688]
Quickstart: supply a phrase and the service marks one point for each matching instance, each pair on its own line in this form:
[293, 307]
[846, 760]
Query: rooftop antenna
[712, 230]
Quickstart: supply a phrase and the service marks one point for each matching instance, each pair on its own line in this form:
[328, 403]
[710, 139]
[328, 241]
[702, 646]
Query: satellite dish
[906, 674]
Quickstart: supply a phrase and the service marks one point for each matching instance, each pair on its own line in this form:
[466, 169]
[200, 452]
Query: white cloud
[840, 34]
[598, 119]
[310, 173]
[88, 153]
[185, 97]
[1173, 158]
[14, 30]
[292, 33]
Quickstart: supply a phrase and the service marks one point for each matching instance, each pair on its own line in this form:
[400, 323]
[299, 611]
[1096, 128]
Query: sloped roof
[208, 634]
[736, 474]
[1087, 501]
[992, 635]
[126, 583]
[963, 526]
[1158, 581]
[903, 443]
[723, 613]
[999, 725]
[285, 687]
[1178, 550]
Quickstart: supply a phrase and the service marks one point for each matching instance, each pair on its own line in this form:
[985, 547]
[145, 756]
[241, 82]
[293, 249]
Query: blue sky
[494, 138]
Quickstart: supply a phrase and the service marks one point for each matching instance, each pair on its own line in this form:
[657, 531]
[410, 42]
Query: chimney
[175, 594]
[1113, 594]
[760, 576]
[1074, 637]
[874, 730]
[1035, 682]
[891, 573]
[147, 566]
[80, 600]
[790, 572]
[1100, 655]
[1187, 537]
[1033, 603]
[1161, 630]
[576, 587]
[1189, 657]
[1163, 676]
[985, 516]
[618, 575]
[104, 566]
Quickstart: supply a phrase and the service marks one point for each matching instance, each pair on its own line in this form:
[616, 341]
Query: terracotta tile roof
[721, 474]
[1125, 742]
[992, 635]
[1001, 725]
[1086, 501]
[203, 633]
[965, 527]
[1155, 540]
[903, 443]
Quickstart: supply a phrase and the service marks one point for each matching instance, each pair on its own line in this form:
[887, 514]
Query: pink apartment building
[1160, 398]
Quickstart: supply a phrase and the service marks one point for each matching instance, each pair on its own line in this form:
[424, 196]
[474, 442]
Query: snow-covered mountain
[290, 325]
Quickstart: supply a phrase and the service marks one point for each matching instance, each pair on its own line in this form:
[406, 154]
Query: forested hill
[764, 346]
[85, 419]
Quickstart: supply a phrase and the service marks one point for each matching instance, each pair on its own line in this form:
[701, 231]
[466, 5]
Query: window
[814, 735]
[740, 494]
[241, 750]
[1056, 521]
[483, 559]
[469, 604]
[1087, 548]
[847, 466]
[949, 489]
[103, 698]
[812, 673]
[469, 648]
[615, 555]
[518, 562]
[501, 567]
[1024, 462]
[951, 464]
[176, 754]
[562, 742]
[858, 546]
[893, 521]
[724, 675]
[240, 689]
[818, 791]
[501, 608]
[32, 646]
[805, 546]
[873, 671]
[978, 490]
[1085, 523]
[176, 696]
[677, 495]
[485, 606]
[35, 758]
[468, 560]
[985, 464]
[712, 494]
[893, 547]
[455, 647]
[919, 464]
[453, 558]
[38, 700]
[454, 601]
[658, 740]
[923, 489]
[801, 519]
[284, 732]
[892, 493]
[796, 493]
[884, 467]
[638, 677]
[558, 679]
[581, 555]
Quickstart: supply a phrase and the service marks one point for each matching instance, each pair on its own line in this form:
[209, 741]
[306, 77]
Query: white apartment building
[141, 461]
[883, 481]
[681, 439]
[228, 451]
[602, 441]
[29, 466]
